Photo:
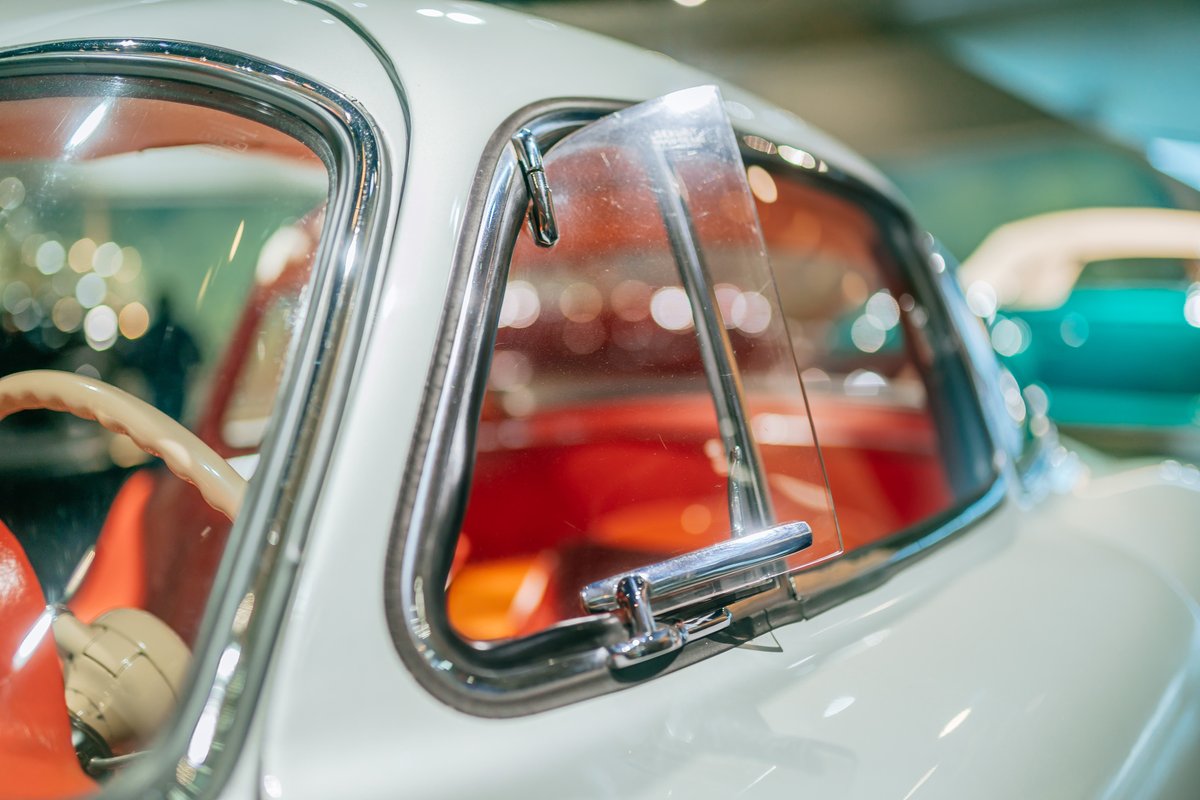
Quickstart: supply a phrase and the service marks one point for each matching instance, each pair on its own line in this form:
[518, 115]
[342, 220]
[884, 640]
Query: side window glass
[897, 422]
[602, 444]
[154, 244]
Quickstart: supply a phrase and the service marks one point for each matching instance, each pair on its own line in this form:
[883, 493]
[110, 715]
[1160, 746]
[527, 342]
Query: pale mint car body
[1050, 649]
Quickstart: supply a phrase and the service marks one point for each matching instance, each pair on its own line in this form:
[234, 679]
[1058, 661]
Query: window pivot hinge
[741, 564]
[542, 222]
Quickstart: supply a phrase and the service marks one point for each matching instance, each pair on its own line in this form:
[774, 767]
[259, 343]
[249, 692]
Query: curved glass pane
[155, 244]
[900, 431]
[607, 436]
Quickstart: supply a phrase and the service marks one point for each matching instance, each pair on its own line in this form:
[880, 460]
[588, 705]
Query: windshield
[154, 249]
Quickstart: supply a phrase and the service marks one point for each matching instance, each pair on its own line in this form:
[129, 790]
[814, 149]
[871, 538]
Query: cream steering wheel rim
[120, 412]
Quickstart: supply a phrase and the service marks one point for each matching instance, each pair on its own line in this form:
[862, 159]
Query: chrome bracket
[542, 222]
[733, 565]
[650, 637]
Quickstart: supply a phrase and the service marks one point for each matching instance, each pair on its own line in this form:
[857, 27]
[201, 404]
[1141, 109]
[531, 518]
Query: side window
[155, 240]
[891, 404]
[601, 445]
[731, 366]
[599, 448]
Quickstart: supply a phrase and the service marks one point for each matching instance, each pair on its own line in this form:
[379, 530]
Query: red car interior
[37, 758]
[587, 493]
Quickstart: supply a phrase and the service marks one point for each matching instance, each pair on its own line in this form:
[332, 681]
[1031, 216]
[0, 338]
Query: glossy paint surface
[973, 673]
[1050, 651]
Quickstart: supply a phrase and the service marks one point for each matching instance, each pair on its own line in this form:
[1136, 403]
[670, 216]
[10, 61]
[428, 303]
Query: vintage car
[1099, 309]
[428, 400]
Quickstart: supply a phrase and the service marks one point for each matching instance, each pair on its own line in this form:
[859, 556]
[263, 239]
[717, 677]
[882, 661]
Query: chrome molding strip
[255, 578]
[749, 499]
[489, 680]
[567, 662]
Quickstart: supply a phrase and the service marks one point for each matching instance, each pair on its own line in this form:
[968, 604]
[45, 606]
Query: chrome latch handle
[649, 638]
[733, 565]
[542, 222]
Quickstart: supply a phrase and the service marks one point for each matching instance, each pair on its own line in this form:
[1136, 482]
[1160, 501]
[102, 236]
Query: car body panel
[956, 671]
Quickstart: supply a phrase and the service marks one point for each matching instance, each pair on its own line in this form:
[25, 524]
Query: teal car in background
[1097, 314]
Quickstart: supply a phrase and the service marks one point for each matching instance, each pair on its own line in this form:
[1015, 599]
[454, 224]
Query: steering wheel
[120, 412]
[105, 708]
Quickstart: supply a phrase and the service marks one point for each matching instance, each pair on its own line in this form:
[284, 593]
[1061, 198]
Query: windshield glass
[153, 245]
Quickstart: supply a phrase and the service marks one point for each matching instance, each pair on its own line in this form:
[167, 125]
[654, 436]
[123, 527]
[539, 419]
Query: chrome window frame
[567, 662]
[255, 577]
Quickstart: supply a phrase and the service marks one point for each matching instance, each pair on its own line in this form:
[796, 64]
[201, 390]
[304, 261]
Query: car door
[522, 686]
[157, 178]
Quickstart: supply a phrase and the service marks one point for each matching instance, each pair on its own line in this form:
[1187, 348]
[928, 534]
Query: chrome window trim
[529, 675]
[254, 581]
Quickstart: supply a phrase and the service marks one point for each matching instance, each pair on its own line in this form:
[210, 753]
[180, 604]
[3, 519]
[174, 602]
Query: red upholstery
[37, 758]
[610, 486]
[158, 550]
[117, 576]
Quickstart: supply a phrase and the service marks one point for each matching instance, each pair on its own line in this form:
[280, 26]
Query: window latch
[645, 595]
[542, 221]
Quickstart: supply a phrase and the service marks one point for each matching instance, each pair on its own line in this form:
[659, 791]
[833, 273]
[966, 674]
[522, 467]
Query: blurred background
[982, 111]
[986, 112]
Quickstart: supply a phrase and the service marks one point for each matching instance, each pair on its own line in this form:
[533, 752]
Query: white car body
[1051, 649]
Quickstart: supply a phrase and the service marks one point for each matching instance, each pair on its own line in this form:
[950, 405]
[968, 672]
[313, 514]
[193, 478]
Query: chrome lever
[632, 593]
[542, 222]
[721, 560]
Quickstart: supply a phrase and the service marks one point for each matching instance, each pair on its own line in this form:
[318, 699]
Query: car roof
[458, 62]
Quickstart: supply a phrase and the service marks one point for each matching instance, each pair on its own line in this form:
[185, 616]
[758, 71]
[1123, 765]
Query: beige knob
[123, 673]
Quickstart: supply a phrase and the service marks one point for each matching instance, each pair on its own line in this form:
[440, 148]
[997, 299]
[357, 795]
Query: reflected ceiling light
[90, 290]
[134, 320]
[1191, 306]
[883, 310]
[762, 184]
[760, 144]
[751, 313]
[29, 644]
[521, 305]
[100, 327]
[671, 308]
[953, 724]
[89, 125]
[981, 299]
[866, 335]
[12, 193]
[864, 382]
[106, 260]
[839, 704]
[1074, 330]
[67, 314]
[1007, 338]
[689, 3]
[285, 246]
[796, 156]
[631, 300]
[465, 19]
[580, 302]
[80, 255]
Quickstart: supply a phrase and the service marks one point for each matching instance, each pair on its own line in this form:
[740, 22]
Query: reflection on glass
[890, 431]
[599, 446]
[134, 228]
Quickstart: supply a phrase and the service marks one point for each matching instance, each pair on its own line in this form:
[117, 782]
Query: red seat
[37, 758]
